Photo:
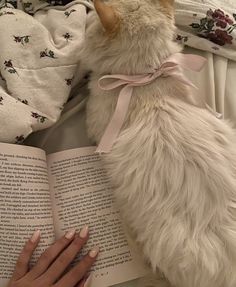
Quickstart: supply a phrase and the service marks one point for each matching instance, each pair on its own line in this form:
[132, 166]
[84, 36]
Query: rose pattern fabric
[216, 26]
[207, 25]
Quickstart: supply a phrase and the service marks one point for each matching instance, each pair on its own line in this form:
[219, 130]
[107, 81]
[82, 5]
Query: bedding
[39, 54]
[208, 25]
[196, 30]
[216, 85]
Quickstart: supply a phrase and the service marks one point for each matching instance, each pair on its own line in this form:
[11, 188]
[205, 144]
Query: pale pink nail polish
[94, 252]
[70, 234]
[83, 232]
[35, 236]
[88, 281]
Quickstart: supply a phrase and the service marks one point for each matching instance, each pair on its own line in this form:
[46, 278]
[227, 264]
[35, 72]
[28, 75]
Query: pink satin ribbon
[170, 68]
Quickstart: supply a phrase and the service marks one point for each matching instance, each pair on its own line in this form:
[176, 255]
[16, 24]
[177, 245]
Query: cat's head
[134, 16]
[123, 33]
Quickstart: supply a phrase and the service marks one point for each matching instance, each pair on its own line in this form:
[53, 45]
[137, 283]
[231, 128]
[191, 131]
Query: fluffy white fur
[173, 166]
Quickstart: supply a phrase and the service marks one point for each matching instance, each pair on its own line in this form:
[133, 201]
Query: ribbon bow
[171, 67]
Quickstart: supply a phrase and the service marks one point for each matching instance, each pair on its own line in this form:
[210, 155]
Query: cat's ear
[169, 6]
[107, 15]
[167, 2]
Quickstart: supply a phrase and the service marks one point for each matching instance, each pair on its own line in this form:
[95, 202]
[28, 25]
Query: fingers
[77, 273]
[51, 254]
[65, 258]
[82, 283]
[22, 264]
[85, 282]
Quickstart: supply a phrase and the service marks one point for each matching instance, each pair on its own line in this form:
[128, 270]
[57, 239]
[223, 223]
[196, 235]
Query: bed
[216, 82]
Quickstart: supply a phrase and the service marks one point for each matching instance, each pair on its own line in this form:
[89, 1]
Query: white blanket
[38, 58]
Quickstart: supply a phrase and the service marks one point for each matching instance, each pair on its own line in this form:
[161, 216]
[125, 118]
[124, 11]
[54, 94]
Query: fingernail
[83, 232]
[35, 236]
[88, 281]
[94, 252]
[70, 234]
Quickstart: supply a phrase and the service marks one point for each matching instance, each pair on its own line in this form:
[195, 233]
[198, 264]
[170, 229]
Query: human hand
[51, 265]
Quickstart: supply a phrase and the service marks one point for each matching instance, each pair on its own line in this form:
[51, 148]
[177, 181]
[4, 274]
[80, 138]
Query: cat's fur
[173, 165]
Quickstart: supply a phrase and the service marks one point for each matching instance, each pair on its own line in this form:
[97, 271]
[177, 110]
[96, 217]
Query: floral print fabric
[39, 53]
[208, 25]
[217, 27]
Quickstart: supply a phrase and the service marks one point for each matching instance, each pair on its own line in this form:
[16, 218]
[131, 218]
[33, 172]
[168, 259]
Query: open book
[55, 193]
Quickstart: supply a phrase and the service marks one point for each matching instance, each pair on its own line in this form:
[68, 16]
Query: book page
[25, 204]
[82, 196]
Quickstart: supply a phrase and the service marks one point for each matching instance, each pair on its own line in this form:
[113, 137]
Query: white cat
[173, 165]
